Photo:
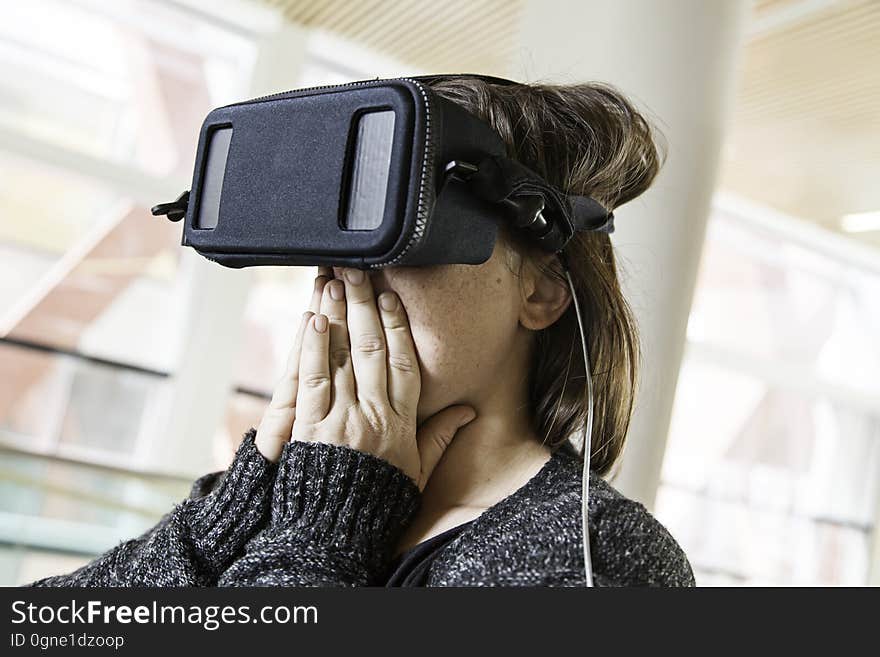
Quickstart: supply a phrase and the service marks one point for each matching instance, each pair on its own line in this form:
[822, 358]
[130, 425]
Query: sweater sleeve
[193, 543]
[336, 516]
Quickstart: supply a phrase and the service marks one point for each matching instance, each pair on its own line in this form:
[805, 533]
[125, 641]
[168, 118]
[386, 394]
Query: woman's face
[465, 324]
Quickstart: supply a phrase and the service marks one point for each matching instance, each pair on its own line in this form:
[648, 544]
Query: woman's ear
[544, 296]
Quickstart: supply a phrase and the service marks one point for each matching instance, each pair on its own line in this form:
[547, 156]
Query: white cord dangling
[588, 433]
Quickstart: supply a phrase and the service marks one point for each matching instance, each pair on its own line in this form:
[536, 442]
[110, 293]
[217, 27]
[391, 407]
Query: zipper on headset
[279, 94]
[424, 202]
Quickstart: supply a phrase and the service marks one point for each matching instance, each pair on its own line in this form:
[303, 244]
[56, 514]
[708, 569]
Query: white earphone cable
[588, 433]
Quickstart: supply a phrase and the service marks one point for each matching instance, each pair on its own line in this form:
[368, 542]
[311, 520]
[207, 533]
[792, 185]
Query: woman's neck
[486, 462]
[489, 458]
[496, 453]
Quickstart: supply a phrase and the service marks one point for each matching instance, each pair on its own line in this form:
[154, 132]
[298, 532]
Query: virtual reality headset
[366, 174]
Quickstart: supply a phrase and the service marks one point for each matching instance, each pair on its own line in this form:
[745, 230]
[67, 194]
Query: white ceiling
[805, 135]
[453, 35]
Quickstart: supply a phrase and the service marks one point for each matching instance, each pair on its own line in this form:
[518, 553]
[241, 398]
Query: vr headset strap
[439, 77]
[551, 217]
[502, 180]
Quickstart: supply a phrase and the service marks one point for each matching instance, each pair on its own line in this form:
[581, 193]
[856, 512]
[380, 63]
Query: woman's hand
[353, 379]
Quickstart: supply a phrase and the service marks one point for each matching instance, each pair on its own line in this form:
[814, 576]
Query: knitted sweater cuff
[221, 522]
[343, 499]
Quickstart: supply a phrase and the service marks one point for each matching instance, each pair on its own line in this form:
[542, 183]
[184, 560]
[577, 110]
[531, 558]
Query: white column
[214, 301]
[676, 59]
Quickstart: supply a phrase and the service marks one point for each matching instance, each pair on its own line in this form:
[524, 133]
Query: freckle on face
[463, 320]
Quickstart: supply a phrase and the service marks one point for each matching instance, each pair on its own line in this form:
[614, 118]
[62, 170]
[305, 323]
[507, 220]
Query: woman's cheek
[441, 382]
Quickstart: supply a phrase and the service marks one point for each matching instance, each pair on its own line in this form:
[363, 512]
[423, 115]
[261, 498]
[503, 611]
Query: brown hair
[584, 139]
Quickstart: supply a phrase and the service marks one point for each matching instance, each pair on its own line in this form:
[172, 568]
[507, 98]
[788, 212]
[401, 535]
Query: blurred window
[772, 469]
[100, 109]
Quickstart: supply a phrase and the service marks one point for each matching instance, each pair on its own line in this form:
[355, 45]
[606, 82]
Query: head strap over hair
[439, 77]
[549, 216]
[503, 180]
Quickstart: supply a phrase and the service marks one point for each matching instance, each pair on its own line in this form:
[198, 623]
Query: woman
[420, 433]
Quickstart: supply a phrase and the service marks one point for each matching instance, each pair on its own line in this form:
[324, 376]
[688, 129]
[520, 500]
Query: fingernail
[337, 290]
[354, 276]
[321, 323]
[388, 301]
[319, 282]
[468, 417]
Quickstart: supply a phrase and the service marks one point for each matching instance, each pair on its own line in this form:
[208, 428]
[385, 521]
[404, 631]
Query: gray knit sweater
[330, 515]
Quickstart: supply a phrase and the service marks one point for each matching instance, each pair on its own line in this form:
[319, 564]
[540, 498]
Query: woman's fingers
[404, 380]
[291, 370]
[325, 274]
[276, 425]
[285, 390]
[341, 370]
[313, 393]
[367, 338]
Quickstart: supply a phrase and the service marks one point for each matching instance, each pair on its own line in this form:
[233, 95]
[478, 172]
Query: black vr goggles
[366, 174]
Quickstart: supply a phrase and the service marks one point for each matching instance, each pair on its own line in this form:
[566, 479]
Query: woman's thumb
[436, 434]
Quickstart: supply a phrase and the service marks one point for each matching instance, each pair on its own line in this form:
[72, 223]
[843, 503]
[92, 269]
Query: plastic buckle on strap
[175, 211]
[460, 170]
[529, 212]
[527, 208]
